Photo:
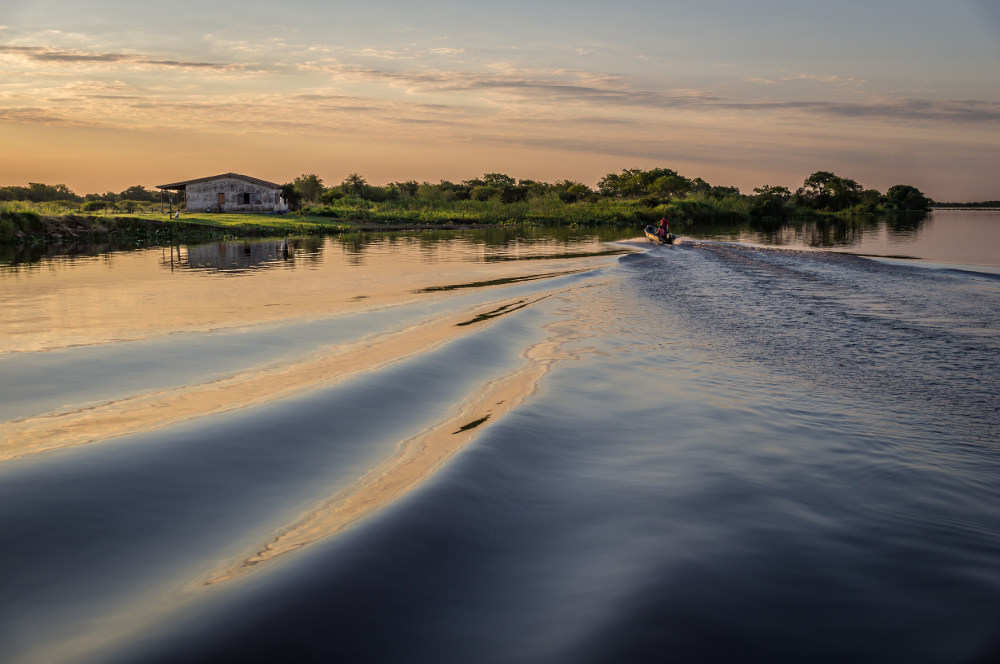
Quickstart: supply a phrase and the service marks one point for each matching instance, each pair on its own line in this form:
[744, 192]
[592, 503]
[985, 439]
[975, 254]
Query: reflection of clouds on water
[419, 456]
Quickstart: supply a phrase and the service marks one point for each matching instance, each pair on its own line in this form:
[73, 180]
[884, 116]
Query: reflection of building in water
[237, 255]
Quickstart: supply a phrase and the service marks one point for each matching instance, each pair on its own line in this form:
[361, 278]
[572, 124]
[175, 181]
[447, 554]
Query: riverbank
[27, 227]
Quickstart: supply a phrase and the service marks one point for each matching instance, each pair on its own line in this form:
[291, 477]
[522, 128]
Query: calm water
[506, 447]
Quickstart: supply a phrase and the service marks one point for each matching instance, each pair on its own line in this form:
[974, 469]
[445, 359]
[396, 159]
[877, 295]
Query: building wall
[205, 196]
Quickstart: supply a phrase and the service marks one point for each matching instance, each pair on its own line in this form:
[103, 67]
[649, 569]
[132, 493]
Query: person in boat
[664, 230]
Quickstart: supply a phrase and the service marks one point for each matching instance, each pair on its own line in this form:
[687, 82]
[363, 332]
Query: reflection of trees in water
[308, 249]
[13, 256]
[905, 225]
[353, 246]
[776, 231]
[839, 231]
[830, 231]
[495, 241]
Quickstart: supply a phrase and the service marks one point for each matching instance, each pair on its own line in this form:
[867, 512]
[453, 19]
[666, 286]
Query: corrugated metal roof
[184, 183]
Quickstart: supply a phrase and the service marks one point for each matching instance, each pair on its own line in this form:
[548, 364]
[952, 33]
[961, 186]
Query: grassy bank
[21, 224]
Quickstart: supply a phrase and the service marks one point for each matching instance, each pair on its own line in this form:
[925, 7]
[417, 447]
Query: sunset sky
[104, 94]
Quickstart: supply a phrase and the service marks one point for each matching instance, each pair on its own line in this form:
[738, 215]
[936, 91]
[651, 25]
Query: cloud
[614, 94]
[528, 91]
[383, 54]
[47, 55]
[42, 116]
[501, 104]
[962, 111]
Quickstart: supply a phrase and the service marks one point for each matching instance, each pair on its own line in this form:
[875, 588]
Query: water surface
[500, 447]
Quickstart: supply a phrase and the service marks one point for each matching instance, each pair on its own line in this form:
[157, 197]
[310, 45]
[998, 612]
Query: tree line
[822, 191]
[977, 204]
[659, 190]
[128, 200]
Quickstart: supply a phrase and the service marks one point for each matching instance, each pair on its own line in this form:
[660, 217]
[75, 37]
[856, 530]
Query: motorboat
[653, 237]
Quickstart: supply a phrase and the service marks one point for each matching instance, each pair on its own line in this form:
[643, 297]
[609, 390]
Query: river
[762, 444]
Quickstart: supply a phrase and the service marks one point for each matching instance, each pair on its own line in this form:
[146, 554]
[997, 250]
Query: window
[245, 199]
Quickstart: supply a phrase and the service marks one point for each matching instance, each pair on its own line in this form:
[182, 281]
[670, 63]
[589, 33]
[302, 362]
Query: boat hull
[653, 237]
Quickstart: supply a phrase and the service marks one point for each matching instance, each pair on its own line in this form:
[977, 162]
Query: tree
[845, 193]
[533, 188]
[139, 193]
[637, 183]
[408, 188]
[429, 193]
[571, 192]
[870, 199]
[770, 201]
[499, 180]
[108, 197]
[699, 186]
[668, 186]
[825, 191]
[627, 184]
[720, 191]
[354, 185]
[94, 206]
[773, 192]
[38, 192]
[492, 184]
[309, 187]
[13, 193]
[906, 197]
[449, 191]
[291, 195]
[330, 195]
[485, 192]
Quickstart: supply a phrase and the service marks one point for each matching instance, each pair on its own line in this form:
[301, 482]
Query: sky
[105, 94]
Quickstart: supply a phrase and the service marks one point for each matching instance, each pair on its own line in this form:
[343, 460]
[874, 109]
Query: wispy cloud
[43, 116]
[963, 111]
[383, 54]
[816, 78]
[48, 55]
[615, 93]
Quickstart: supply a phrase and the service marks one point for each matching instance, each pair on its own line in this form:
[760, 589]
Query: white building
[229, 192]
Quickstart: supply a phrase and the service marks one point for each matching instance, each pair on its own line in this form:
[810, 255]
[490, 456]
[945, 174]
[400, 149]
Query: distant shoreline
[966, 207]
